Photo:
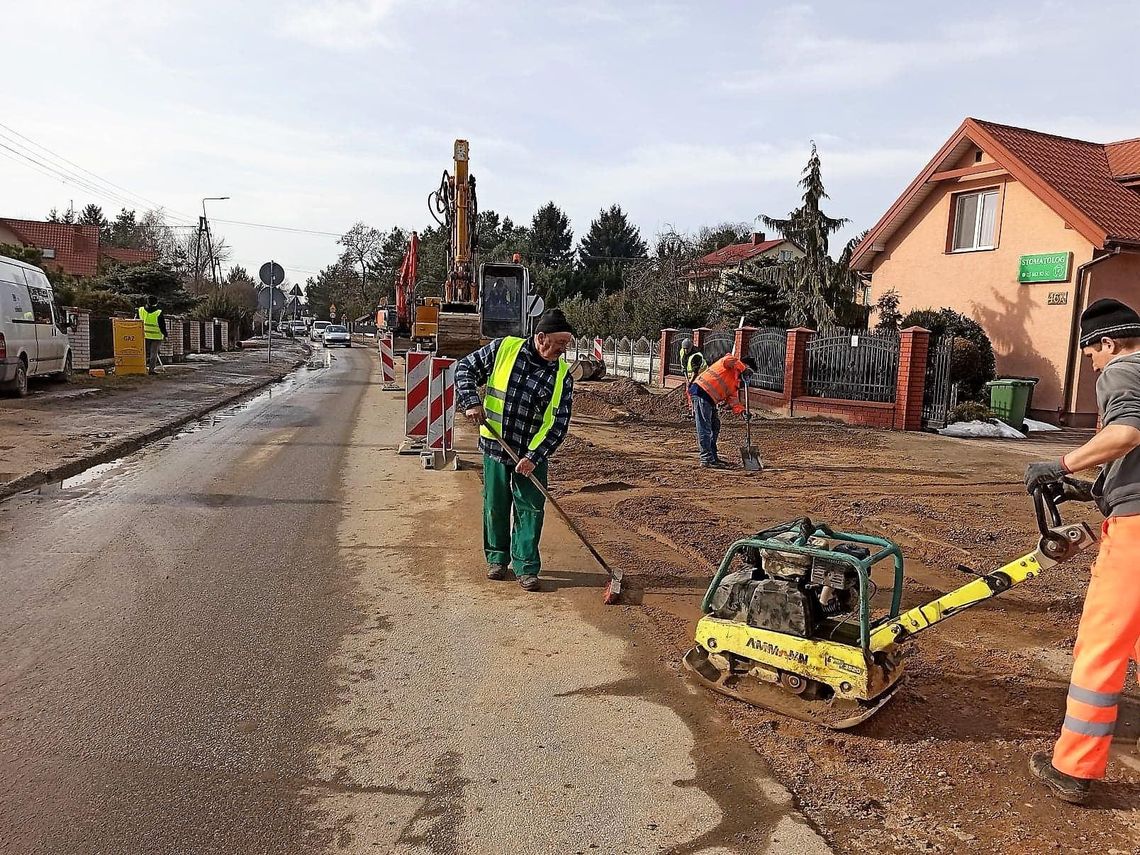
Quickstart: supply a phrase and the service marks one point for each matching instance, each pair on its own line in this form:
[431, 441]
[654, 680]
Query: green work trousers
[513, 509]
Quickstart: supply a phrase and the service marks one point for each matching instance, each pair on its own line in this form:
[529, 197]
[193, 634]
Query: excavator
[480, 302]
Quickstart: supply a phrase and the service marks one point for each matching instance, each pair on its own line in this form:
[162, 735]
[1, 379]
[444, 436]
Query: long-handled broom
[613, 588]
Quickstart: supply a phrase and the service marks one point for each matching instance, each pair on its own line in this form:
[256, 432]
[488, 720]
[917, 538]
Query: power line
[65, 176]
[108, 183]
[278, 228]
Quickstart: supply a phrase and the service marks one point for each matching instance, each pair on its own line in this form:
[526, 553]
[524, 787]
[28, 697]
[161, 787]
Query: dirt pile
[629, 400]
[941, 769]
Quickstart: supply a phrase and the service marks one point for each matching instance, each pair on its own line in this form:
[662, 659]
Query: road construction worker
[1109, 631]
[528, 401]
[154, 331]
[716, 386]
[693, 362]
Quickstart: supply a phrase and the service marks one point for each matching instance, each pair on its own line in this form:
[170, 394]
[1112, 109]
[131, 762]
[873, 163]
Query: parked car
[297, 328]
[318, 331]
[33, 333]
[337, 334]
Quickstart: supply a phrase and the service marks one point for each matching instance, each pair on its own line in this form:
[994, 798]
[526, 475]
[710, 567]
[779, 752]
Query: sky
[314, 114]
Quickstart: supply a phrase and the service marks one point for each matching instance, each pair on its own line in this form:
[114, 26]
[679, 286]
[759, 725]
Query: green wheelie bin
[1009, 400]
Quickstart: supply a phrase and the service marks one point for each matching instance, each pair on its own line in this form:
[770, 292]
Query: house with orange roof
[1019, 230]
[738, 257]
[69, 247]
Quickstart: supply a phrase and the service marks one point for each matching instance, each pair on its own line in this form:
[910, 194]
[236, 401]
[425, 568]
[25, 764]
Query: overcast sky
[313, 114]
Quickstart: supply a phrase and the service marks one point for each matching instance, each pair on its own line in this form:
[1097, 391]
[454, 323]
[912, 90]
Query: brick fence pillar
[699, 337]
[914, 346]
[80, 339]
[795, 365]
[667, 336]
[742, 340]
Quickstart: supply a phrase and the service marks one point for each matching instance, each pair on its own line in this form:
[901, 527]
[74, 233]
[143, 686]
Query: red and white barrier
[441, 404]
[598, 349]
[417, 368]
[387, 359]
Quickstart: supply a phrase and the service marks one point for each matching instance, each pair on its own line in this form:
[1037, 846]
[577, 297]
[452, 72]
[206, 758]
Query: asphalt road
[271, 634]
[164, 631]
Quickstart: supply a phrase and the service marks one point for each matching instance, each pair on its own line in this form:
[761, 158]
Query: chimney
[758, 238]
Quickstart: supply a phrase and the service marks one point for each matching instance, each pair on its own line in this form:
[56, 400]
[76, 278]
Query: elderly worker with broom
[527, 408]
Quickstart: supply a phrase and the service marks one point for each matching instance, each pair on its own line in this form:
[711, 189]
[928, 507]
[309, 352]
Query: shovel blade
[750, 457]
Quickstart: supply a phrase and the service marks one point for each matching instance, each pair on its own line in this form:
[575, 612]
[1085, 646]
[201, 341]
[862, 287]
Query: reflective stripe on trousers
[1109, 635]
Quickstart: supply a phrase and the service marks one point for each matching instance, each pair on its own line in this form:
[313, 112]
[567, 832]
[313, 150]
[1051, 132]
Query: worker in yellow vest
[154, 330]
[527, 405]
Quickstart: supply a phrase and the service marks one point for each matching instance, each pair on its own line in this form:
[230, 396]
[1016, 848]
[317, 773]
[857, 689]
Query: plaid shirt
[528, 394]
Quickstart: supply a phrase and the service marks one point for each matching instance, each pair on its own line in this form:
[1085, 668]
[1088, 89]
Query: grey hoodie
[1117, 489]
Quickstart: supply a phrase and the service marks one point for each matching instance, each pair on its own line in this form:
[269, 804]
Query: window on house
[975, 218]
[785, 255]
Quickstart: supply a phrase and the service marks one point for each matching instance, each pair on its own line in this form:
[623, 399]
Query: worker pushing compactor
[1109, 632]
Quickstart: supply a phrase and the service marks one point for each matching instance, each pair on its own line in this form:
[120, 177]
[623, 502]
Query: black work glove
[1075, 490]
[1037, 475]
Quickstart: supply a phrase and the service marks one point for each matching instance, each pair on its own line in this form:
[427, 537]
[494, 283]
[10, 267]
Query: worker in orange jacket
[1109, 632]
[716, 386]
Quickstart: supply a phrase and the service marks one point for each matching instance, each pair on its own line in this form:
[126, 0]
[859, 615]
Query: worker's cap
[1108, 319]
[553, 321]
[686, 344]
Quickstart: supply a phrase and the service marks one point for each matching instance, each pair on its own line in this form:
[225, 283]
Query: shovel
[613, 589]
[749, 453]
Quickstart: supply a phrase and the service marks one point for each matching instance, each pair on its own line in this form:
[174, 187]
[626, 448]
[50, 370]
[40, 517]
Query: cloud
[799, 59]
[339, 24]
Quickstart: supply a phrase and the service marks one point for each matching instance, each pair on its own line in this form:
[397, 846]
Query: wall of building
[1030, 336]
[8, 237]
[1116, 279]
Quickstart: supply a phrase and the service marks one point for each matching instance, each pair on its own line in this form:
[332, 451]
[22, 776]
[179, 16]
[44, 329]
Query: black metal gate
[714, 345]
[102, 338]
[938, 396]
[853, 365]
[673, 356]
[769, 348]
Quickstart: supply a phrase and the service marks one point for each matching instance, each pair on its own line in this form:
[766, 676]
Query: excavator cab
[504, 300]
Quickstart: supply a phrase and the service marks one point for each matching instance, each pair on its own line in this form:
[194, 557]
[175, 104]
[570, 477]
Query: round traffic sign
[271, 273]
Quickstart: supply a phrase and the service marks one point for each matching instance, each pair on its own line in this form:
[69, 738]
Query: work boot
[1065, 787]
[716, 464]
[528, 582]
[498, 572]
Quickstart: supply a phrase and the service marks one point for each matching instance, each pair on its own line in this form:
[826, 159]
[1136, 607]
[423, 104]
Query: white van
[33, 337]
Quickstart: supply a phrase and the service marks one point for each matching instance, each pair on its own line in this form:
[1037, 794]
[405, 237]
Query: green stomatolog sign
[1045, 267]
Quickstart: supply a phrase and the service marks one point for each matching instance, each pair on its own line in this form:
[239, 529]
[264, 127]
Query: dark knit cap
[553, 321]
[1108, 319]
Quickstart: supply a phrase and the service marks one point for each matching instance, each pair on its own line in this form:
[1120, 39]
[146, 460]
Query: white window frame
[979, 219]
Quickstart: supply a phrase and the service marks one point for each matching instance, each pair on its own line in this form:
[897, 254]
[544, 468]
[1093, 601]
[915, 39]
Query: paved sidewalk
[61, 429]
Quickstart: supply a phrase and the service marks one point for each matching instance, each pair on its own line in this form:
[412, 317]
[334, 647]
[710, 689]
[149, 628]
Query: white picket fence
[635, 359]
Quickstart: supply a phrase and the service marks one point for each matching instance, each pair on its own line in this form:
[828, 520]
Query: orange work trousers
[1108, 636]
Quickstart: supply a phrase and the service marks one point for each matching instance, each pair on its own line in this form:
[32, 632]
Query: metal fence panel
[853, 365]
[714, 345]
[673, 355]
[769, 348]
[938, 394]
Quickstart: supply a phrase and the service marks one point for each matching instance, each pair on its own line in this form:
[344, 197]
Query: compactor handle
[1045, 506]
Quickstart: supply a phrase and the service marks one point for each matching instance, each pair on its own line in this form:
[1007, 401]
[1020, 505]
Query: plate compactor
[787, 618]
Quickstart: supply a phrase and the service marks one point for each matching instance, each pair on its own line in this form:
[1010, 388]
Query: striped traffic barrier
[598, 349]
[417, 367]
[387, 362]
[441, 404]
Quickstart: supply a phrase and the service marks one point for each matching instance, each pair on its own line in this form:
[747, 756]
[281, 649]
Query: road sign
[271, 273]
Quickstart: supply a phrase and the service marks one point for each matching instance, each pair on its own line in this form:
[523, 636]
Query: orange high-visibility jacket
[721, 381]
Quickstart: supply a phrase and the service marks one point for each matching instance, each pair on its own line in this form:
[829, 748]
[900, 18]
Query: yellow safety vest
[496, 396]
[150, 323]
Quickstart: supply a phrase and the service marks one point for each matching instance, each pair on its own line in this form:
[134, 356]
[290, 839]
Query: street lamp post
[209, 239]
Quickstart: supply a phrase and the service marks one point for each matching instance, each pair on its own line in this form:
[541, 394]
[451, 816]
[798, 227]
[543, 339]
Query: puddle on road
[98, 474]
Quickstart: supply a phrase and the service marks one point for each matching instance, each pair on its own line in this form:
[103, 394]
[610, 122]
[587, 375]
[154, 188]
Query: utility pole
[209, 239]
